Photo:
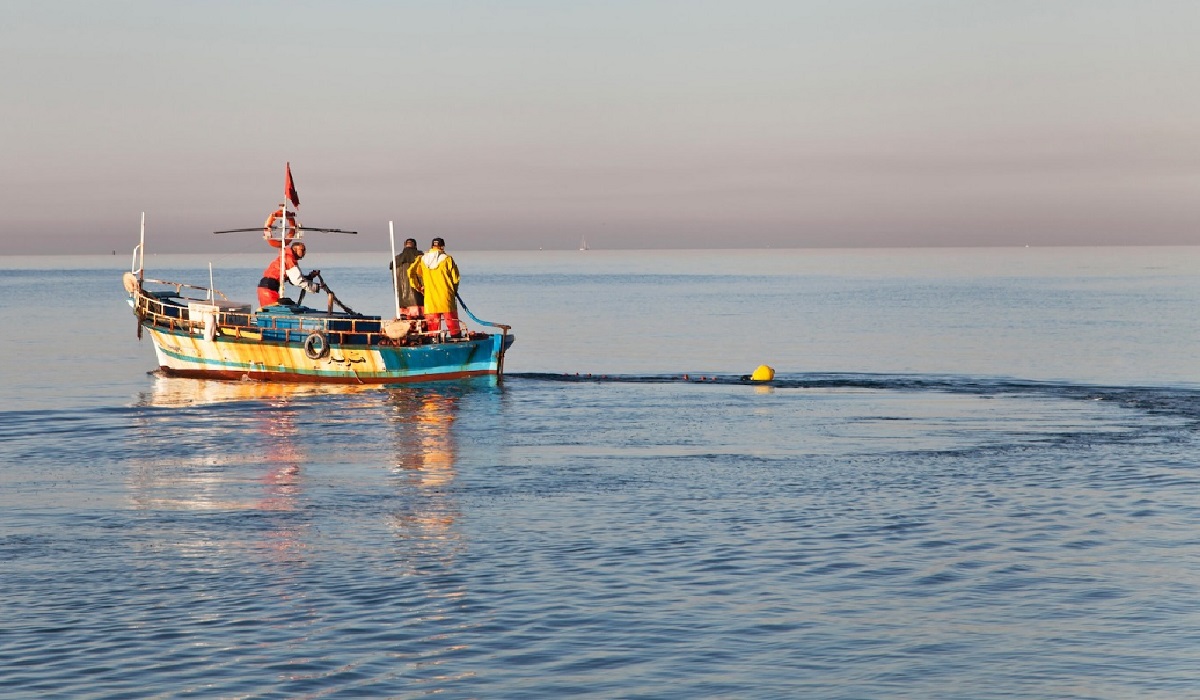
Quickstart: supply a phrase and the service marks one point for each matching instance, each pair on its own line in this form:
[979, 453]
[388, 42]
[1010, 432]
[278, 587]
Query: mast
[283, 211]
[283, 232]
[283, 250]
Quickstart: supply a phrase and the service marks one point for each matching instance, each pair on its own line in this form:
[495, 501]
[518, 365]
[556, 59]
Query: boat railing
[174, 314]
[209, 293]
[174, 309]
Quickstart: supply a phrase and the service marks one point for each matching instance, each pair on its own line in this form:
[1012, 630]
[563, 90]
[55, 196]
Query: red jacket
[273, 271]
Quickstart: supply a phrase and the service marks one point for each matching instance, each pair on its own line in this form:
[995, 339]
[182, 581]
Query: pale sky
[642, 124]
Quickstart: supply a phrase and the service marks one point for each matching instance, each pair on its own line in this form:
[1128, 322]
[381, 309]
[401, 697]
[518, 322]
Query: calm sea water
[975, 476]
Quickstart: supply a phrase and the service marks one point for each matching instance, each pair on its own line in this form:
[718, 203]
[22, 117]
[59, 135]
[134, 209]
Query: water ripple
[836, 536]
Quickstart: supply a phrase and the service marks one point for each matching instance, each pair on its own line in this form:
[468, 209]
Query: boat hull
[185, 354]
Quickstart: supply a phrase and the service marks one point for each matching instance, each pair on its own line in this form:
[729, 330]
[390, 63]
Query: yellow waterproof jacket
[437, 273]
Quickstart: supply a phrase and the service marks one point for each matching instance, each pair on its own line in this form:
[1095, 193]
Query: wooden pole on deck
[395, 272]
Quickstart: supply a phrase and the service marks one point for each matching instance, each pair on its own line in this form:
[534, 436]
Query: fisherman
[435, 275]
[282, 213]
[272, 280]
[408, 299]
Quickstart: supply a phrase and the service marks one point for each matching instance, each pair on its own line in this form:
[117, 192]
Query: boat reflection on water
[176, 392]
[228, 447]
[424, 463]
[248, 449]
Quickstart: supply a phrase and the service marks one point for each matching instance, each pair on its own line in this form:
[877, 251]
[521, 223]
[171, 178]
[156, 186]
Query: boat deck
[285, 322]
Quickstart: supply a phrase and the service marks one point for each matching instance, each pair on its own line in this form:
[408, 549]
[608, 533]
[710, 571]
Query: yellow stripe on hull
[190, 352]
[227, 357]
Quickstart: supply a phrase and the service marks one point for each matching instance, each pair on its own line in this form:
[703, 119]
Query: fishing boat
[198, 332]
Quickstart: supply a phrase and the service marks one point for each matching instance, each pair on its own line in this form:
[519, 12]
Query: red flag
[289, 188]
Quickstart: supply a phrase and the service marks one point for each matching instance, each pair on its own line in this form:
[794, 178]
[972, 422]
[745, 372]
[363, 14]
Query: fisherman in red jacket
[272, 280]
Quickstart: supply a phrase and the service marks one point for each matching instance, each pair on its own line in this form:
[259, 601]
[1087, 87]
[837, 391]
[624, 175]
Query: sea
[975, 474]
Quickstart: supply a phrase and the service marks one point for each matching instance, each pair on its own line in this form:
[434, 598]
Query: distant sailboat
[583, 243]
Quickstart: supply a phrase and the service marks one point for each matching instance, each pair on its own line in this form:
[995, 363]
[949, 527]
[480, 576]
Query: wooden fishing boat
[198, 332]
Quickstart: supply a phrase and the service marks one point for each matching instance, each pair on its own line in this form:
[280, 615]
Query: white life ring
[316, 346]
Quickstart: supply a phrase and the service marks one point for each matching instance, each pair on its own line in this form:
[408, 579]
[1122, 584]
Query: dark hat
[410, 243]
[438, 243]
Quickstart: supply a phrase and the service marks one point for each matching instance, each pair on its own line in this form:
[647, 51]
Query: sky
[526, 124]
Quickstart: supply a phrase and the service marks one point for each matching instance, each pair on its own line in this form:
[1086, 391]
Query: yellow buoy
[763, 373]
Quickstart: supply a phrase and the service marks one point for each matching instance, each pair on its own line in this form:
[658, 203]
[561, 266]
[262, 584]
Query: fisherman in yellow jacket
[436, 276]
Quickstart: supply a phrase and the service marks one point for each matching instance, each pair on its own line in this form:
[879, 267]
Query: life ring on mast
[316, 346]
[282, 214]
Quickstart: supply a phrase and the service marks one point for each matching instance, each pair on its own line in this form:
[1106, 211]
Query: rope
[477, 320]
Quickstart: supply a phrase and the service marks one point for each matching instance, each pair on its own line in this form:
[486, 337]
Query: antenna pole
[142, 251]
[395, 270]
